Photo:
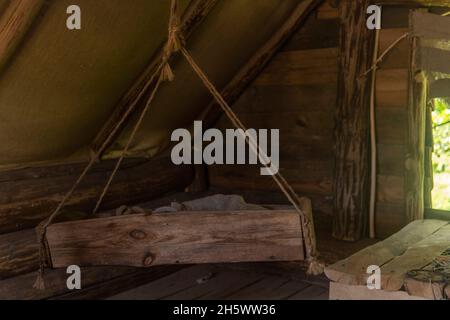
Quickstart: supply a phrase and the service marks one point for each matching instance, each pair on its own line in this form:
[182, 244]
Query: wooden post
[351, 178]
[415, 147]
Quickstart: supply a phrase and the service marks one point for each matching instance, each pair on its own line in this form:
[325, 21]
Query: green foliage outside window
[441, 155]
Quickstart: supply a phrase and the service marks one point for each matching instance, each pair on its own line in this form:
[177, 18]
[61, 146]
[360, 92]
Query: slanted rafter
[14, 24]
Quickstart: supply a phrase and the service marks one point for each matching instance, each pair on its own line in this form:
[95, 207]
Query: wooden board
[417, 256]
[428, 289]
[96, 283]
[398, 56]
[178, 238]
[352, 270]
[28, 196]
[220, 282]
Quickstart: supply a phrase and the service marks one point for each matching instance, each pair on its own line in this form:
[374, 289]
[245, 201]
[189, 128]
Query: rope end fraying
[39, 283]
[167, 73]
[315, 267]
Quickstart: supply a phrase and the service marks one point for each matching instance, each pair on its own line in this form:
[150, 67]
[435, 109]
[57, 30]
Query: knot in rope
[174, 43]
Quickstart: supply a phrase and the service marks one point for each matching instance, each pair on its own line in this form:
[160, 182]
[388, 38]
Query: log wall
[297, 94]
[29, 195]
[391, 117]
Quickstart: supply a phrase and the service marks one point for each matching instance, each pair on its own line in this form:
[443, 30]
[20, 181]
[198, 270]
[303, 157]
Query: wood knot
[301, 123]
[148, 260]
[138, 234]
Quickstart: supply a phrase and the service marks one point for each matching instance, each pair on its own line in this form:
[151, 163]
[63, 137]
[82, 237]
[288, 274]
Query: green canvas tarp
[61, 86]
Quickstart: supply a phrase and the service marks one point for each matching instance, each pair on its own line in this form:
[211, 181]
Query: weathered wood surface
[304, 113]
[222, 282]
[391, 122]
[415, 147]
[314, 34]
[390, 218]
[427, 289]
[328, 10]
[304, 67]
[397, 56]
[96, 283]
[28, 196]
[431, 26]
[119, 284]
[290, 94]
[260, 59]
[19, 251]
[418, 256]
[178, 238]
[413, 247]
[351, 176]
[14, 25]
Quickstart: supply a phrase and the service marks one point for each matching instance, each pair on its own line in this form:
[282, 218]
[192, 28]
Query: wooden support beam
[261, 58]
[19, 253]
[178, 238]
[193, 17]
[415, 147]
[14, 25]
[351, 175]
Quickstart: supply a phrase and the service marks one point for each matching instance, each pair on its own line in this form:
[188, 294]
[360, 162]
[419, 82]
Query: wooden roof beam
[15, 22]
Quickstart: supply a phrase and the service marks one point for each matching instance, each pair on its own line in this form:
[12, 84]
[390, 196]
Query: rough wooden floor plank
[216, 285]
[353, 269]
[260, 290]
[167, 286]
[288, 290]
[213, 282]
[311, 293]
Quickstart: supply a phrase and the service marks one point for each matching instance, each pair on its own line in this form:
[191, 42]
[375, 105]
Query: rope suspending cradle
[163, 73]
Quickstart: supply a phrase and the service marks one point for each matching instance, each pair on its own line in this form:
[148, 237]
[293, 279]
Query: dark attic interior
[224, 150]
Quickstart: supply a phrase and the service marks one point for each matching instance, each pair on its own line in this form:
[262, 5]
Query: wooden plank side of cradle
[339, 291]
[178, 238]
[417, 256]
[353, 270]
